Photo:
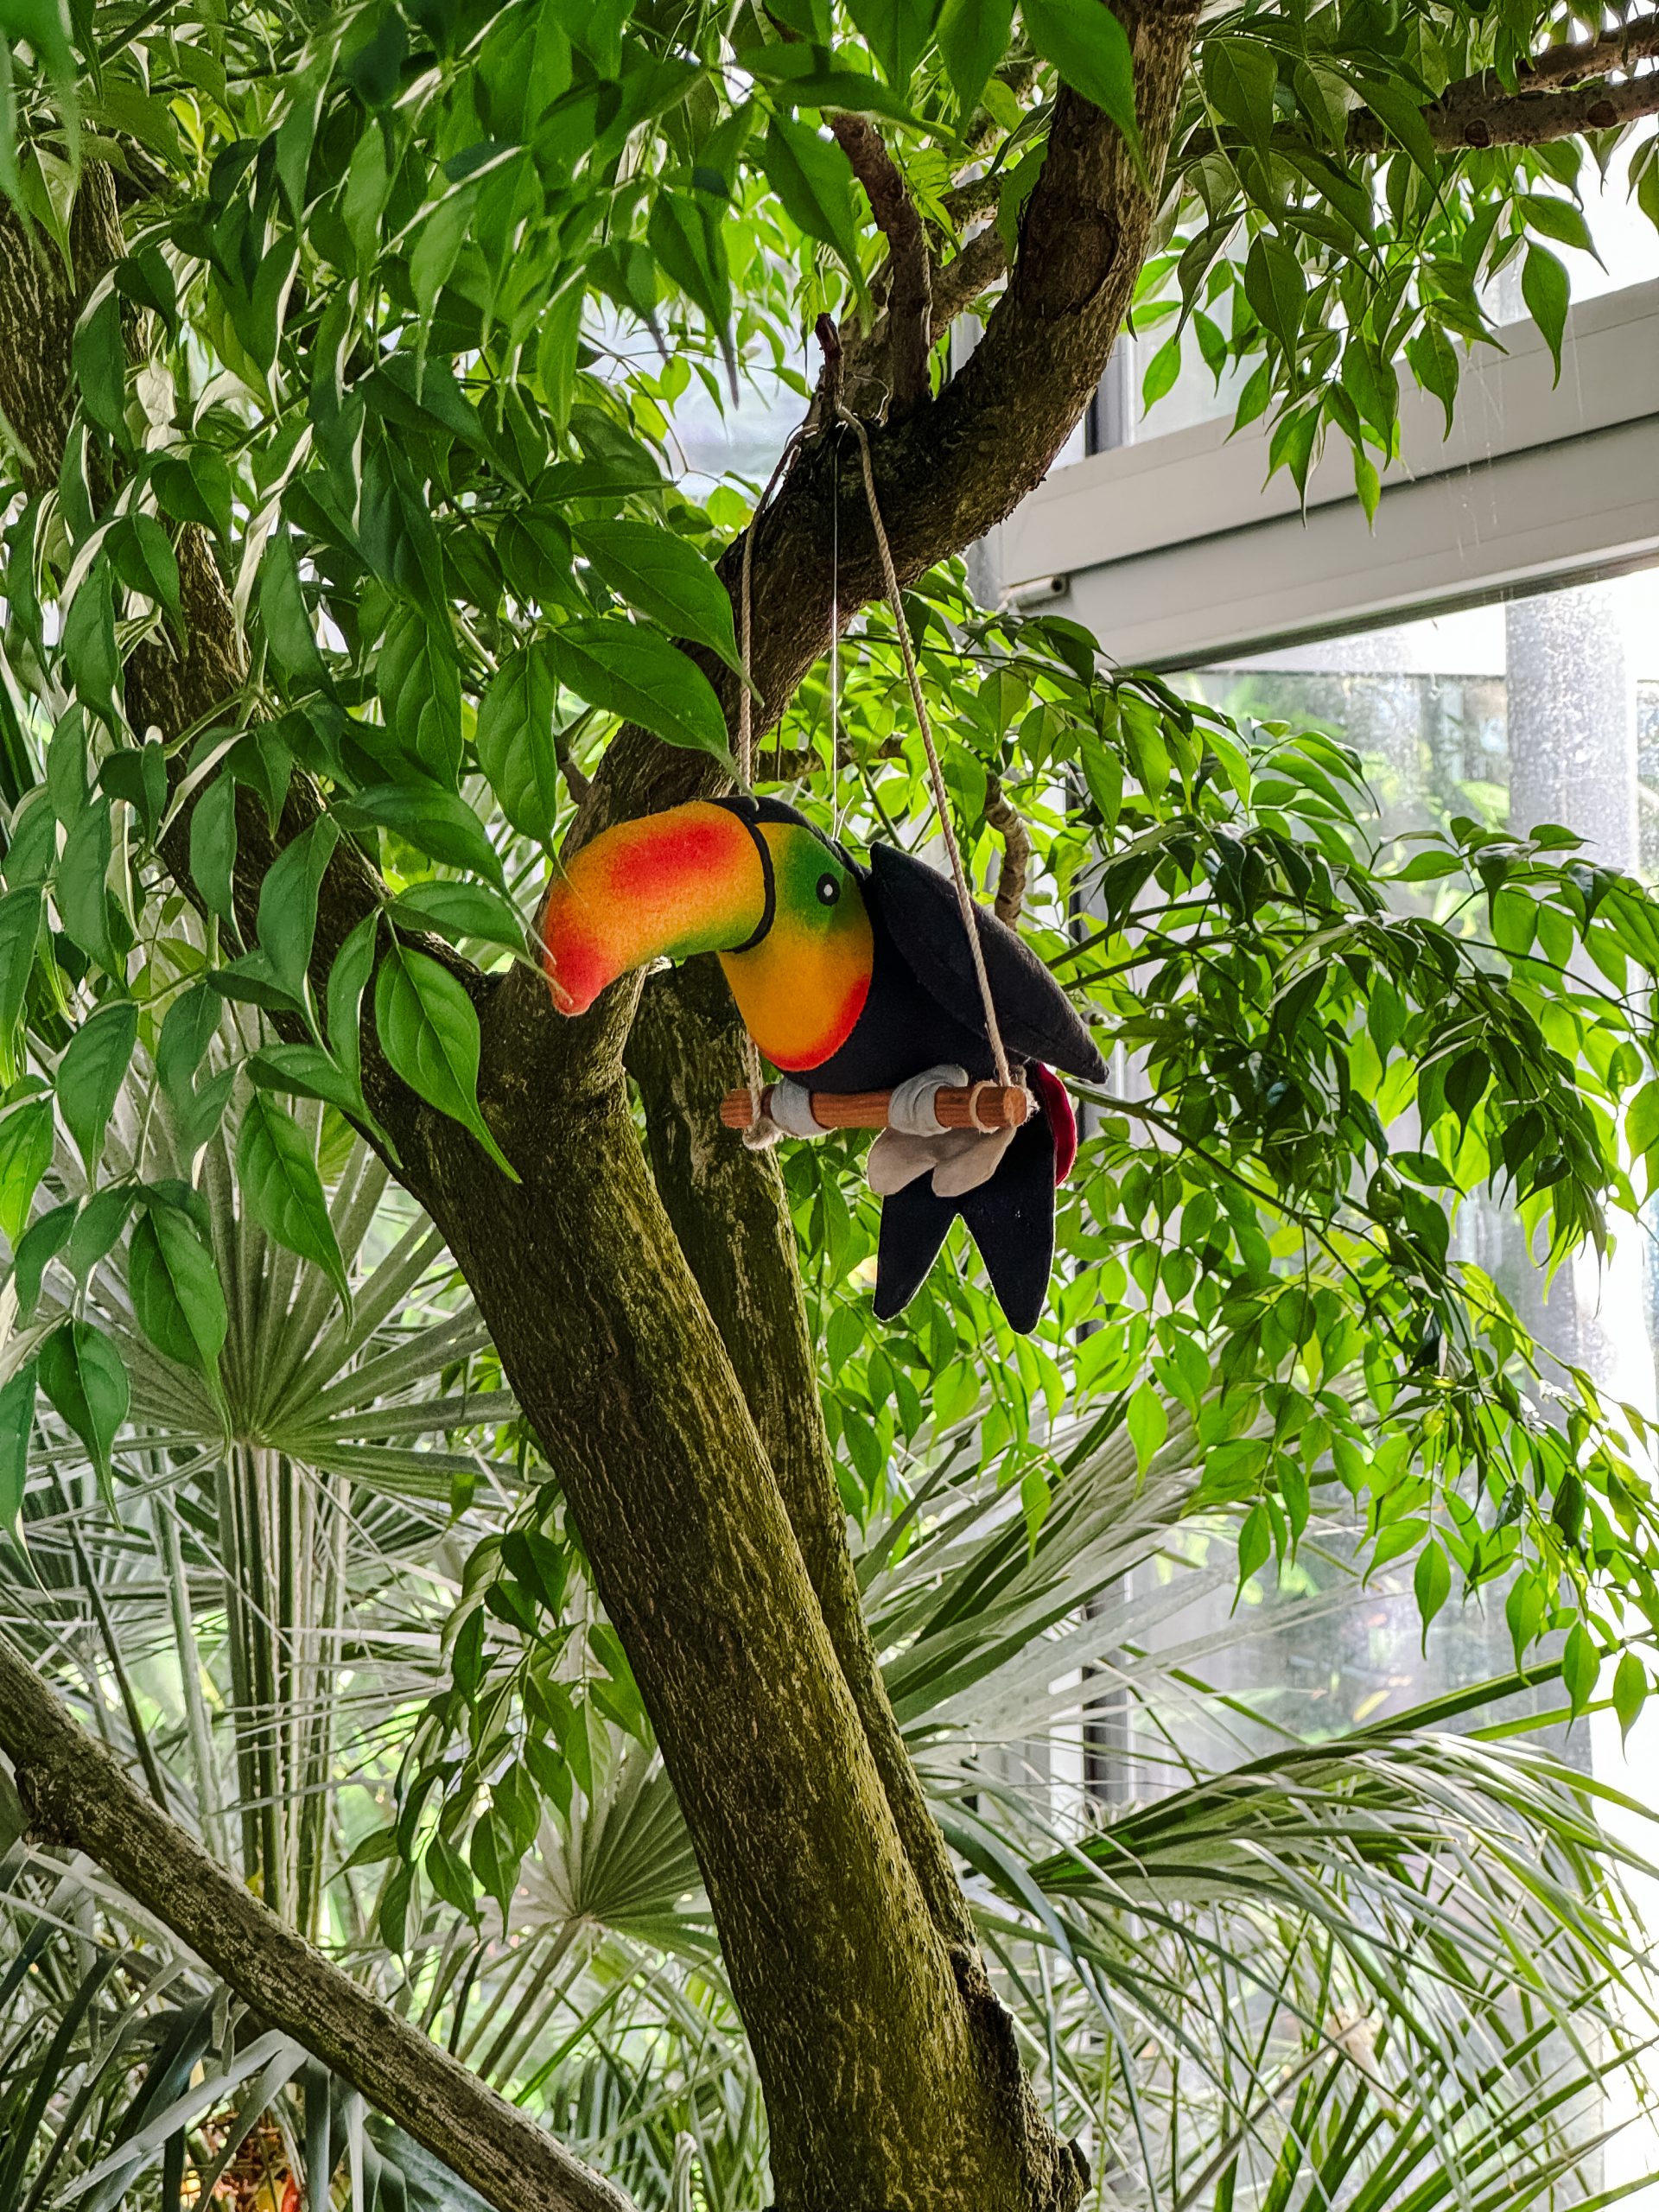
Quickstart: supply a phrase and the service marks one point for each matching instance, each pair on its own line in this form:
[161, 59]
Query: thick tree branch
[732, 1221]
[908, 325]
[77, 1795]
[1552, 101]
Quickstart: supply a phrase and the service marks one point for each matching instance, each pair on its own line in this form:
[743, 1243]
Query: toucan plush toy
[854, 979]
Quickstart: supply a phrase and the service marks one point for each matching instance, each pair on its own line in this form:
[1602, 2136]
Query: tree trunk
[669, 1376]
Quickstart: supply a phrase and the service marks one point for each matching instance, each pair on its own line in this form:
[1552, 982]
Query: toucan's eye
[829, 891]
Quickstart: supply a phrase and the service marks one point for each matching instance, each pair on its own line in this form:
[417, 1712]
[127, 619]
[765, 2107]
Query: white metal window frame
[1180, 550]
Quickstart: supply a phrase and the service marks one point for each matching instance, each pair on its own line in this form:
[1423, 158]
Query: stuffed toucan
[856, 979]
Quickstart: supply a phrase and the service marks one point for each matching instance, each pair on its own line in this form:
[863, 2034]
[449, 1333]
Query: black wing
[1039, 1021]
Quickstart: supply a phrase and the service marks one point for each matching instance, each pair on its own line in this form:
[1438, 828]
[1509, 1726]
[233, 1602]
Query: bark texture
[76, 1794]
[668, 1374]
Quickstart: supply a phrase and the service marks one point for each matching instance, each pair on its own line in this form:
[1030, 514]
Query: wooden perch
[987, 1106]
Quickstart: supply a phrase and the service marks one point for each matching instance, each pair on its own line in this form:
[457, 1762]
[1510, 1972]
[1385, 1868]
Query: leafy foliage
[409, 309]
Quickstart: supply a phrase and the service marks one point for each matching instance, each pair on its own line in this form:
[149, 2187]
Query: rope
[745, 757]
[941, 798]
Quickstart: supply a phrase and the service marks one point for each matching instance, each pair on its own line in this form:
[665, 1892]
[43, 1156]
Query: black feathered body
[923, 1009]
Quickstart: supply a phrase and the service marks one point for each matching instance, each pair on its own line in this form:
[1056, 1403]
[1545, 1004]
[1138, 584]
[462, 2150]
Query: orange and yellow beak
[692, 880]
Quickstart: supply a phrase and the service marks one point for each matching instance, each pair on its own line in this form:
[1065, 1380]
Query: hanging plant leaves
[177, 1297]
[666, 579]
[429, 1032]
[634, 672]
[515, 739]
[90, 1075]
[277, 1174]
[17, 1427]
[85, 1378]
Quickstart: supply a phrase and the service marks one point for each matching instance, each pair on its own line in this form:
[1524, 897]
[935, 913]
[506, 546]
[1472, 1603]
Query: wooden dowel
[982, 1105]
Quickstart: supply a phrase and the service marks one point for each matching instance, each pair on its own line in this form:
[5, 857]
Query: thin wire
[941, 798]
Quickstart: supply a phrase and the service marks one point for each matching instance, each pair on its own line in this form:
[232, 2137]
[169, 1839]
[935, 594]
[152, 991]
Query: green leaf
[1546, 288]
[196, 488]
[634, 672]
[1254, 1544]
[1630, 1678]
[213, 847]
[1398, 108]
[1275, 287]
[432, 820]
[41, 1245]
[495, 1860]
[1432, 1582]
[1434, 364]
[347, 979]
[97, 1227]
[814, 180]
[1581, 1666]
[82, 889]
[100, 358]
[685, 237]
[666, 579]
[90, 1075]
[1089, 47]
[19, 930]
[1239, 76]
[89, 647]
[187, 1029]
[1466, 1083]
[277, 1174]
[288, 904]
[1561, 219]
[973, 36]
[557, 351]
[429, 1032]
[1161, 371]
[25, 1155]
[896, 32]
[17, 1427]
[283, 613]
[177, 1297]
[305, 1072]
[438, 246]
[515, 737]
[85, 1378]
[144, 559]
[1148, 1425]
[460, 909]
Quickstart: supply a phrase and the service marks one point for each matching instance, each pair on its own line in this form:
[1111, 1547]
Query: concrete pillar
[1571, 734]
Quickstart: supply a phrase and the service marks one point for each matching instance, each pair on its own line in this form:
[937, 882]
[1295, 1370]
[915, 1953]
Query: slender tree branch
[909, 329]
[974, 197]
[76, 1794]
[1577, 58]
[1004, 818]
[1550, 103]
[962, 280]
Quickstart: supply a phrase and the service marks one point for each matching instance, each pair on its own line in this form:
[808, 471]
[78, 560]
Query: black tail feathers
[1011, 1219]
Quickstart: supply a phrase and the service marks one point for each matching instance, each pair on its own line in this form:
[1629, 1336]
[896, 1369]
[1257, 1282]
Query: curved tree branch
[909, 332]
[76, 1794]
